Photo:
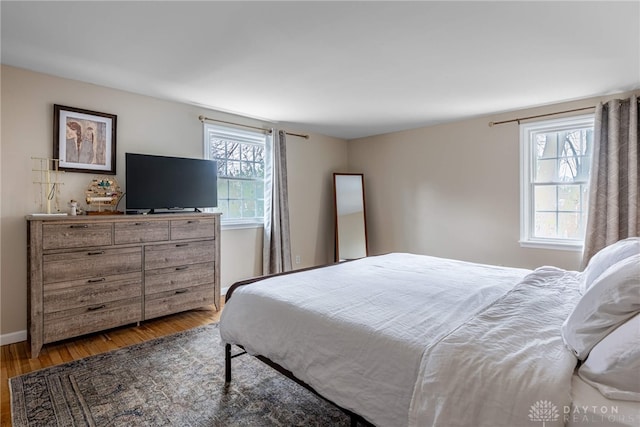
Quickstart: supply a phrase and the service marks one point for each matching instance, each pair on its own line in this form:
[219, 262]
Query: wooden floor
[15, 357]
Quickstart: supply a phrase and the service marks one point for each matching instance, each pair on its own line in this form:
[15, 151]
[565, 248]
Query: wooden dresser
[90, 273]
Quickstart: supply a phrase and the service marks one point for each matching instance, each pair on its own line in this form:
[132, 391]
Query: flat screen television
[161, 183]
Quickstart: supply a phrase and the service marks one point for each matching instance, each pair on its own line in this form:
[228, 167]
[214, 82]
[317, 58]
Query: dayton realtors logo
[543, 411]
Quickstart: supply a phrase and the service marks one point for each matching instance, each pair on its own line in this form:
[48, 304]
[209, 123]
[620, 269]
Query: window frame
[527, 182]
[250, 136]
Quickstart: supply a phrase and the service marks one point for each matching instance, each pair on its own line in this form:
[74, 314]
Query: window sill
[553, 245]
[241, 225]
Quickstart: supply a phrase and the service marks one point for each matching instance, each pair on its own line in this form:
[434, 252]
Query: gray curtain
[613, 191]
[277, 238]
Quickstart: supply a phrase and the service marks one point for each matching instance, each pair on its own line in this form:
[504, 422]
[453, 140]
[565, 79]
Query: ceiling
[344, 69]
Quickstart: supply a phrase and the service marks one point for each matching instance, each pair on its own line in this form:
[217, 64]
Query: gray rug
[172, 381]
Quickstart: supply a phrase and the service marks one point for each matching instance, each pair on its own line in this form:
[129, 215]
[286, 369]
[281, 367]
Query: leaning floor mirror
[350, 216]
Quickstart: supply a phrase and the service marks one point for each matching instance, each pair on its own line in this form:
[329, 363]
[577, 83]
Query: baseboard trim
[13, 337]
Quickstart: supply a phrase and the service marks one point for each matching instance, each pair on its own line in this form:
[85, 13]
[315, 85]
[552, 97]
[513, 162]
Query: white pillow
[613, 298]
[606, 257]
[613, 366]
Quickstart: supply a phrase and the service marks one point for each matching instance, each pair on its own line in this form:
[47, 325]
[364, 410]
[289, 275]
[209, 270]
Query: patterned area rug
[176, 380]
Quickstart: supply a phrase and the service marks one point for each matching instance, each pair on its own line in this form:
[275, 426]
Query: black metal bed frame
[228, 356]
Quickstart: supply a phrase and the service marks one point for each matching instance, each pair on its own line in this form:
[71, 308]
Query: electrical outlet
[297, 259]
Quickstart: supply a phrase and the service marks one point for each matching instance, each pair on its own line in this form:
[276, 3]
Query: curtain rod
[491, 124]
[203, 118]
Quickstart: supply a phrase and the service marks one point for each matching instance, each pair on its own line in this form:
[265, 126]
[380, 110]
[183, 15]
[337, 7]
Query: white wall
[452, 190]
[144, 125]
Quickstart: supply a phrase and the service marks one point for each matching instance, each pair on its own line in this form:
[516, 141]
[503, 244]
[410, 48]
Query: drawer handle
[181, 291]
[182, 267]
[181, 245]
[192, 221]
[95, 253]
[102, 279]
[96, 307]
[79, 226]
[141, 223]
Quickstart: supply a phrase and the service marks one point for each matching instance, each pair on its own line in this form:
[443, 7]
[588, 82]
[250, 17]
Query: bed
[403, 339]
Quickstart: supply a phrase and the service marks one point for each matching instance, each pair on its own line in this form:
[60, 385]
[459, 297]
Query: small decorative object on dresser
[103, 194]
[87, 274]
[74, 207]
[46, 175]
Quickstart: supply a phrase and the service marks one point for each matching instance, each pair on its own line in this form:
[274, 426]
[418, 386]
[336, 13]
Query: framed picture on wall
[84, 141]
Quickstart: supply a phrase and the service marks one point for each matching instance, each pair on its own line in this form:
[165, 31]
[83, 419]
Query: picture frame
[84, 140]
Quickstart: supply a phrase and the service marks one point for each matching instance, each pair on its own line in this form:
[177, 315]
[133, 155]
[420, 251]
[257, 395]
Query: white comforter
[508, 365]
[407, 339]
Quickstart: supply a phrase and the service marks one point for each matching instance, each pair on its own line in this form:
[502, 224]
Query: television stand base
[175, 210]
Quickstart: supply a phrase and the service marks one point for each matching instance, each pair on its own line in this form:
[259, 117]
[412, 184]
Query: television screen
[174, 183]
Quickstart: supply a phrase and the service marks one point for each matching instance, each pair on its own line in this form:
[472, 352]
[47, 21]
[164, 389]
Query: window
[240, 155]
[556, 158]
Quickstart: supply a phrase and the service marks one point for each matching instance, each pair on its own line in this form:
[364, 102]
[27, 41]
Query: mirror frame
[335, 214]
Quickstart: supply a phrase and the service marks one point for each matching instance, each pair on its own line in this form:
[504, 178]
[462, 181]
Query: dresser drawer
[178, 300]
[178, 254]
[90, 264]
[76, 235]
[62, 296]
[197, 228]
[141, 231]
[74, 322]
[166, 279]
